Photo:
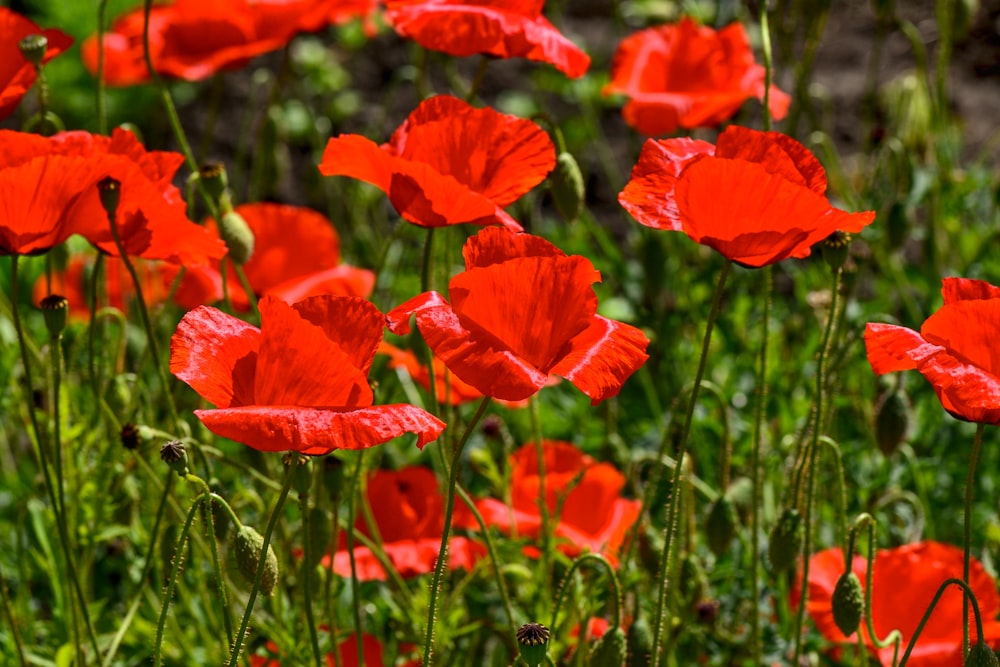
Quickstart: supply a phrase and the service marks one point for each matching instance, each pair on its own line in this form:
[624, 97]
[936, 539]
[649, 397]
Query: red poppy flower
[756, 197]
[522, 312]
[193, 39]
[904, 581]
[298, 383]
[449, 163]
[318, 14]
[687, 75]
[955, 350]
[409, 511]
[48, 190]
[296, 255]
[501, 28]
[348, 650]
[594, 516]
[17, 75]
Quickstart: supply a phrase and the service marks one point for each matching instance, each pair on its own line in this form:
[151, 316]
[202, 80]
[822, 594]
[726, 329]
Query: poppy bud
[174, 455]
[692, 582]
[237, 235]
[213, 177]
[333, 478]
[130, 436]
[33, 48]
[720, 526]
[247, 547]
[303, 473]
[110, 191]
[320, 532]
[981, 655]
[848, 603]
[836, 248]
[785, 541]
[611, 650]
[640, 642]
[891, 421]
[54, 308]
[532, 643]
[566, 185]
[909, 110]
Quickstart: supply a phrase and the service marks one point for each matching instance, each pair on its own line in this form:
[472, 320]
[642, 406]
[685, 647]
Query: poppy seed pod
[566, 186]
[54, 308]
[836, 248]
[611, 650]
[174, 455]
[214, 179]
[785, 541]
[34, 48]
[892, 421]
[532, 643]
[720, 526]
[848, 603]
[110, 191]
[247, 548]
[237, 235]
[981, 655]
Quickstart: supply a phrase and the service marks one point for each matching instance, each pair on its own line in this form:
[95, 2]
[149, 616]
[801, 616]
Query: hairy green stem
[615, 586]
[970, 483]
[307, 567]
[969, 595]
[352, 507]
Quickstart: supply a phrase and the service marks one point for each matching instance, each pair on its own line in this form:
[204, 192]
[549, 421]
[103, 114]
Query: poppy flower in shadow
[955, 350]
[755, 197]
[193, 39]
[583, 497]
[687, 75]
[299, 383]
[501, 28]
[522, 312]
[296, 255]
[408, 509]
[904, 581]
[17, 74]
[48, 191]
[449, 163]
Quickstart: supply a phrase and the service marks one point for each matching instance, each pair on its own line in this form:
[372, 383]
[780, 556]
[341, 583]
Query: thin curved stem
[352, 508]
[969, 595]
[491, 550]
[758, 418]
[615, 585]
[970, 483]
[671, 522]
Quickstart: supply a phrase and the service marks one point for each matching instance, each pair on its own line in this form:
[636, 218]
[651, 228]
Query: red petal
[316, 432]
[969, 330]
[410, 558]
[216, 354]
[779, 153]
[965, 289]
[602, 357]
[341, 280]
[352, 323]
[299, 365]
[17, 75]
[494, 245]
[649, 194]
[889, 347]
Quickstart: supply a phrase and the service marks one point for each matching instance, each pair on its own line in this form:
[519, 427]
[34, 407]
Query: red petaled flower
[409, 511]
[48, 191]
[756, 197]
[501, 28]
[348, 654]
[298, 383]
[17, 75]
[318, 14]
[594, 517]
[521, 312]
[296, 255]
[449, 163]
[956, 350]
[687, 75]
[193, 39]
[904, 581]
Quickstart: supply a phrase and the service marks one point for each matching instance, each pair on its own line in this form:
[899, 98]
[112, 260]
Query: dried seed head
[533, 642]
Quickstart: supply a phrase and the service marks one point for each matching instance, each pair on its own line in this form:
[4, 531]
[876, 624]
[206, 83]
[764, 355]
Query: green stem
[969, 595]
[809, 459]
[970, 483]
[758, 419]
[491, 550]
[307, 566]
[237, 646]
[477, 81]
[352, 508]
[671, 522]
[102, 114]
[248, 289]
[866, 520]
[14, 631]
[449, 509]
[545, 565]
[765, 43]
[615, 585]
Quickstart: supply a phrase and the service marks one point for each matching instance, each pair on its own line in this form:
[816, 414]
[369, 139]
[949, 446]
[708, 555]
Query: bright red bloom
[296, 255]
[48, 191]
[904, 581]
[193, 39]
[449, 163]
[756, 197]
[318, 14]
[594, 516]
[348, 650]
[501, 28]
[409, 511]
[17, 75]
[687, 75]
[956, 350]
[298, 383]
[521, 312]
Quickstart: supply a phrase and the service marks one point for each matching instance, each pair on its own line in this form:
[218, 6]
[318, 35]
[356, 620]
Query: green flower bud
[720, 526]
[54, 308]
[237, 235]
[248, 545]
[533, 643]
[640, 642]
[333, 478]
[848, 603]
[174, 455]
[785, 542]
[320, 533]
[981, 655]
[566, 185]
[213, 177]
[692, 582]
[119, 392]
[33, 48]
[892, 421]
[611, 650]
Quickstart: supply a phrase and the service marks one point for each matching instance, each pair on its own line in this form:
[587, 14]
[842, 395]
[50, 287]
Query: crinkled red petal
[216, 355]
[599, 359]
